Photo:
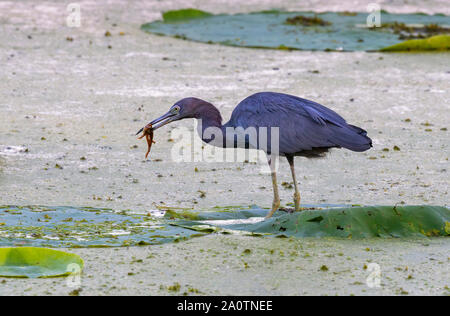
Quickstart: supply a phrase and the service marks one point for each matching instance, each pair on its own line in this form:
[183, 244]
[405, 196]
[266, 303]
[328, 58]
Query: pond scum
[88, 227]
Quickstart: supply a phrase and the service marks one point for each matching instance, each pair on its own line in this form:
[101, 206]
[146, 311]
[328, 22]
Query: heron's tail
[351, 137]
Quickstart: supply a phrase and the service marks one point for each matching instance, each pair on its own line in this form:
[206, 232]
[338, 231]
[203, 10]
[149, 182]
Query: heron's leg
[276, 197]
[290, 159]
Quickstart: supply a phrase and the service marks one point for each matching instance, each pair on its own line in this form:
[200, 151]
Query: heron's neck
[210, 128]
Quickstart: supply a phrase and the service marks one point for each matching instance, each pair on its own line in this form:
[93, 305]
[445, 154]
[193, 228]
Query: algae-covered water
[73, 98]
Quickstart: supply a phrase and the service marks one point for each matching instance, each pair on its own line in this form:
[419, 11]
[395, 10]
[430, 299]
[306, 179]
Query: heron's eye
[175, 110]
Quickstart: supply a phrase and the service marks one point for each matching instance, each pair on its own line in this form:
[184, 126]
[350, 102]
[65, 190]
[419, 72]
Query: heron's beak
[160, 121]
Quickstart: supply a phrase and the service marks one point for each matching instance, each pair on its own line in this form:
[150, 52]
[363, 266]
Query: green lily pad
[343, 222]
[29, 262]
[438, 42]
[329, 31]
[183, 15]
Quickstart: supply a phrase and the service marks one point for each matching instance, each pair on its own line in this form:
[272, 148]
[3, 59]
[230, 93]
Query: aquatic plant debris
[30, 262]
[148, 134]
[328, 31]
[90, 227]
[306, 21]
[405, 31]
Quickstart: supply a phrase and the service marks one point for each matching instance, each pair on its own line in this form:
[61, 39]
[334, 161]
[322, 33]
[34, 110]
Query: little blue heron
[305, 128]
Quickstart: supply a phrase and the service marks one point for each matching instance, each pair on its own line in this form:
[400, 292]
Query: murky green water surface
[83, 227]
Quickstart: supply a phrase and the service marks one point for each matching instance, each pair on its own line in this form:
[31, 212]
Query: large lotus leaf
[29, 262]
[337, 31]
[183, 15]
[438, 42]
[348, 222]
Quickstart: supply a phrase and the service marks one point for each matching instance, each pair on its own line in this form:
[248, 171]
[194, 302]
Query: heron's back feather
[303, 125]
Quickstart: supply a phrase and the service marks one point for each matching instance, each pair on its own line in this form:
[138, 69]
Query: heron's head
[186, 108]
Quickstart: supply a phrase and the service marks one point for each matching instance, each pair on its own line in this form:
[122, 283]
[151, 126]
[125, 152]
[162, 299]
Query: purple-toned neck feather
[200, 109]
[206, 112]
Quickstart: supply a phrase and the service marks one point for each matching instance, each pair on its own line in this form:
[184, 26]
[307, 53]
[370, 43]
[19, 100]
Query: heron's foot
[275, 206]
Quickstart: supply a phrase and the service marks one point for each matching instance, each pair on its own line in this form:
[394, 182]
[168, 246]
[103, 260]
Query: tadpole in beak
[148, 134]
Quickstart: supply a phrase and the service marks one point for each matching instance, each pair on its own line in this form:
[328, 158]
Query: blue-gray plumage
[306, 128]
[304, 125]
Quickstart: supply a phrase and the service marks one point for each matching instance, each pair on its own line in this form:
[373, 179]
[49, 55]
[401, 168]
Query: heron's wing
[303, 124]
